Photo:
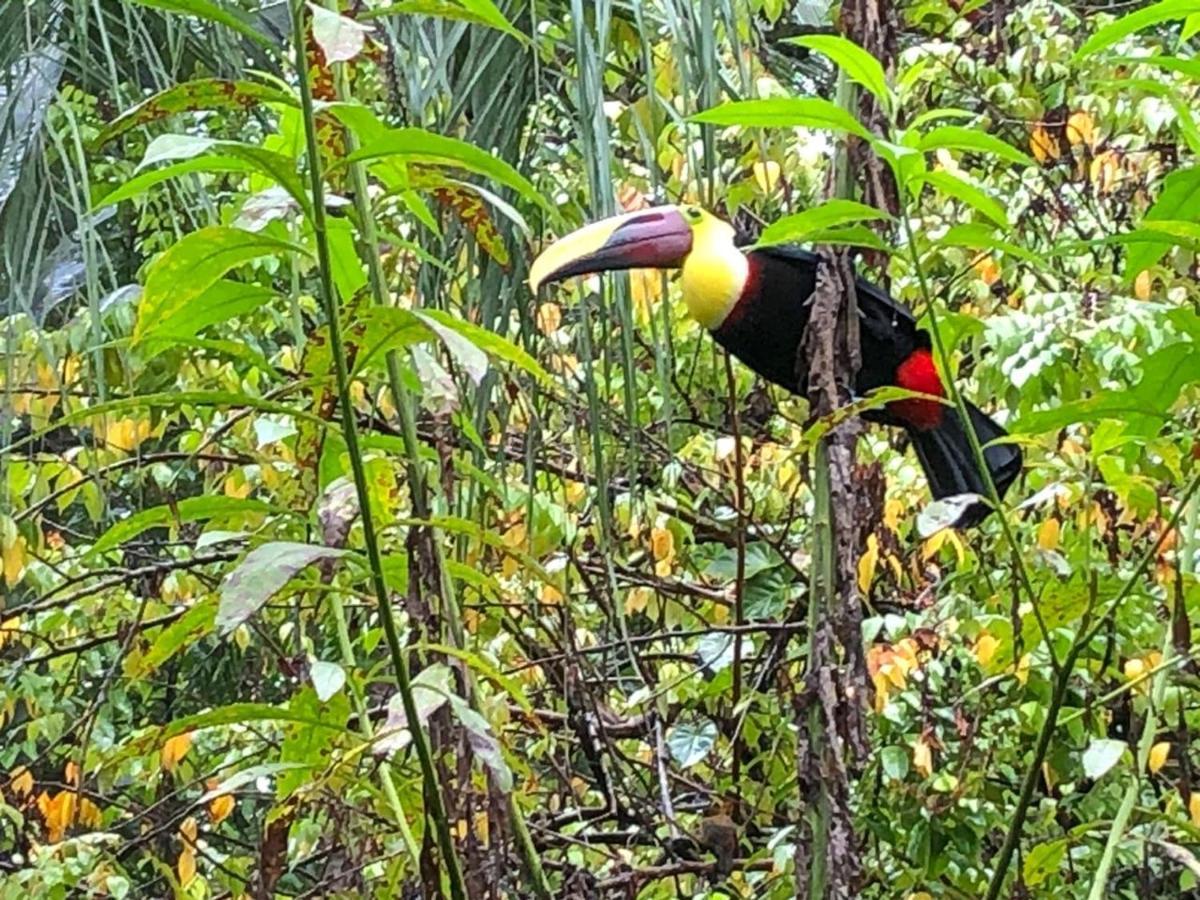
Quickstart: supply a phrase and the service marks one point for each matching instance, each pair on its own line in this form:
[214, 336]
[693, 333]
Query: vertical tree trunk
[848, 503]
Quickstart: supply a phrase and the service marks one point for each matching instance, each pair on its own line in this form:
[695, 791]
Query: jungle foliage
[291, 456]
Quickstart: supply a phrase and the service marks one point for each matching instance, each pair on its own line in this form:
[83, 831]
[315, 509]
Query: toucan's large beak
[657, 238]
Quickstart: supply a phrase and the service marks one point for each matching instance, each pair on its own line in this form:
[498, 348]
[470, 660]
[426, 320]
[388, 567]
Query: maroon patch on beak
[656, 239]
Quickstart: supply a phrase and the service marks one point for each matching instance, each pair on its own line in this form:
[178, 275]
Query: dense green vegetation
[292, 456]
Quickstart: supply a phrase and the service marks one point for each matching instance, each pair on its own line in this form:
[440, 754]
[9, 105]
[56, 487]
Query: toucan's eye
[692, 212]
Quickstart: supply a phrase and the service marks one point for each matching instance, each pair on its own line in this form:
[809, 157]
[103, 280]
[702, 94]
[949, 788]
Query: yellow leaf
[1048, 776]
[923, 757]
[188, 829]
[662, 546]
[126, 434]
[89, 814]
[71, 772]
[1158, 756]
[892, 511]
[58, 812]
[767, 175]
[574, 492]
[237, 485]
[1048, 534]
[985, 648]
[1104, 171]
[1022, 670]
[14, 560]
[882, 690]
[21, 782]
[1045, 148]
[637, 599]
[549, 317]
[220, 807]
[645, 288]
[1194, 808]
[938, 540]
[867, 564]
[1142, 285]
[988, 270]
[550, 595]
[186, 866]
[1081, 129]
[174, 750]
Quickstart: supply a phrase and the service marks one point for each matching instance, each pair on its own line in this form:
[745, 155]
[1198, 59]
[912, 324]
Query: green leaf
[477, 12]
[421, 146]
[1043, 861]
[191, 96]
[1189, 67]
[181, 274]
[275, 166]
[220, 302]
[264, 571]
[956, 137]
[955, 187]
[139, 184]
[492, 344]
[978, 236]
[376, 331]
[1164, 375]
[895, 762]
[1101, 755]
[1136, 21]
[784, 112]
[309, 749]
[196, 622]
[233, 714]
[192, 509]
[858, 65]
[797, 227]
[934, 115]
[1179, 199]
[689, 742]
[174, 400]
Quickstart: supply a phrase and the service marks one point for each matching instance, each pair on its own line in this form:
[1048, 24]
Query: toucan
[755, 303]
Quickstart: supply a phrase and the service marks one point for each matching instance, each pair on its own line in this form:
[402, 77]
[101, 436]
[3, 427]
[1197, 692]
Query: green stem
[820, 599]
[432, 792]
[405, 402]
[368, 730]
[960, 406]
[1149, 730]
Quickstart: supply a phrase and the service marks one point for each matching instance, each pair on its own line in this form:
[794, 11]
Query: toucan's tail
[949, 463]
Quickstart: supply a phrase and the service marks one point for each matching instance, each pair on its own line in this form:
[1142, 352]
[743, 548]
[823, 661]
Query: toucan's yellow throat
[665, 237]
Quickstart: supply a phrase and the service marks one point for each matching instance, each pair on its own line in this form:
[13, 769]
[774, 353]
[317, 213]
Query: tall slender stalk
[450, 614]
[820, 602]
[432, 791]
